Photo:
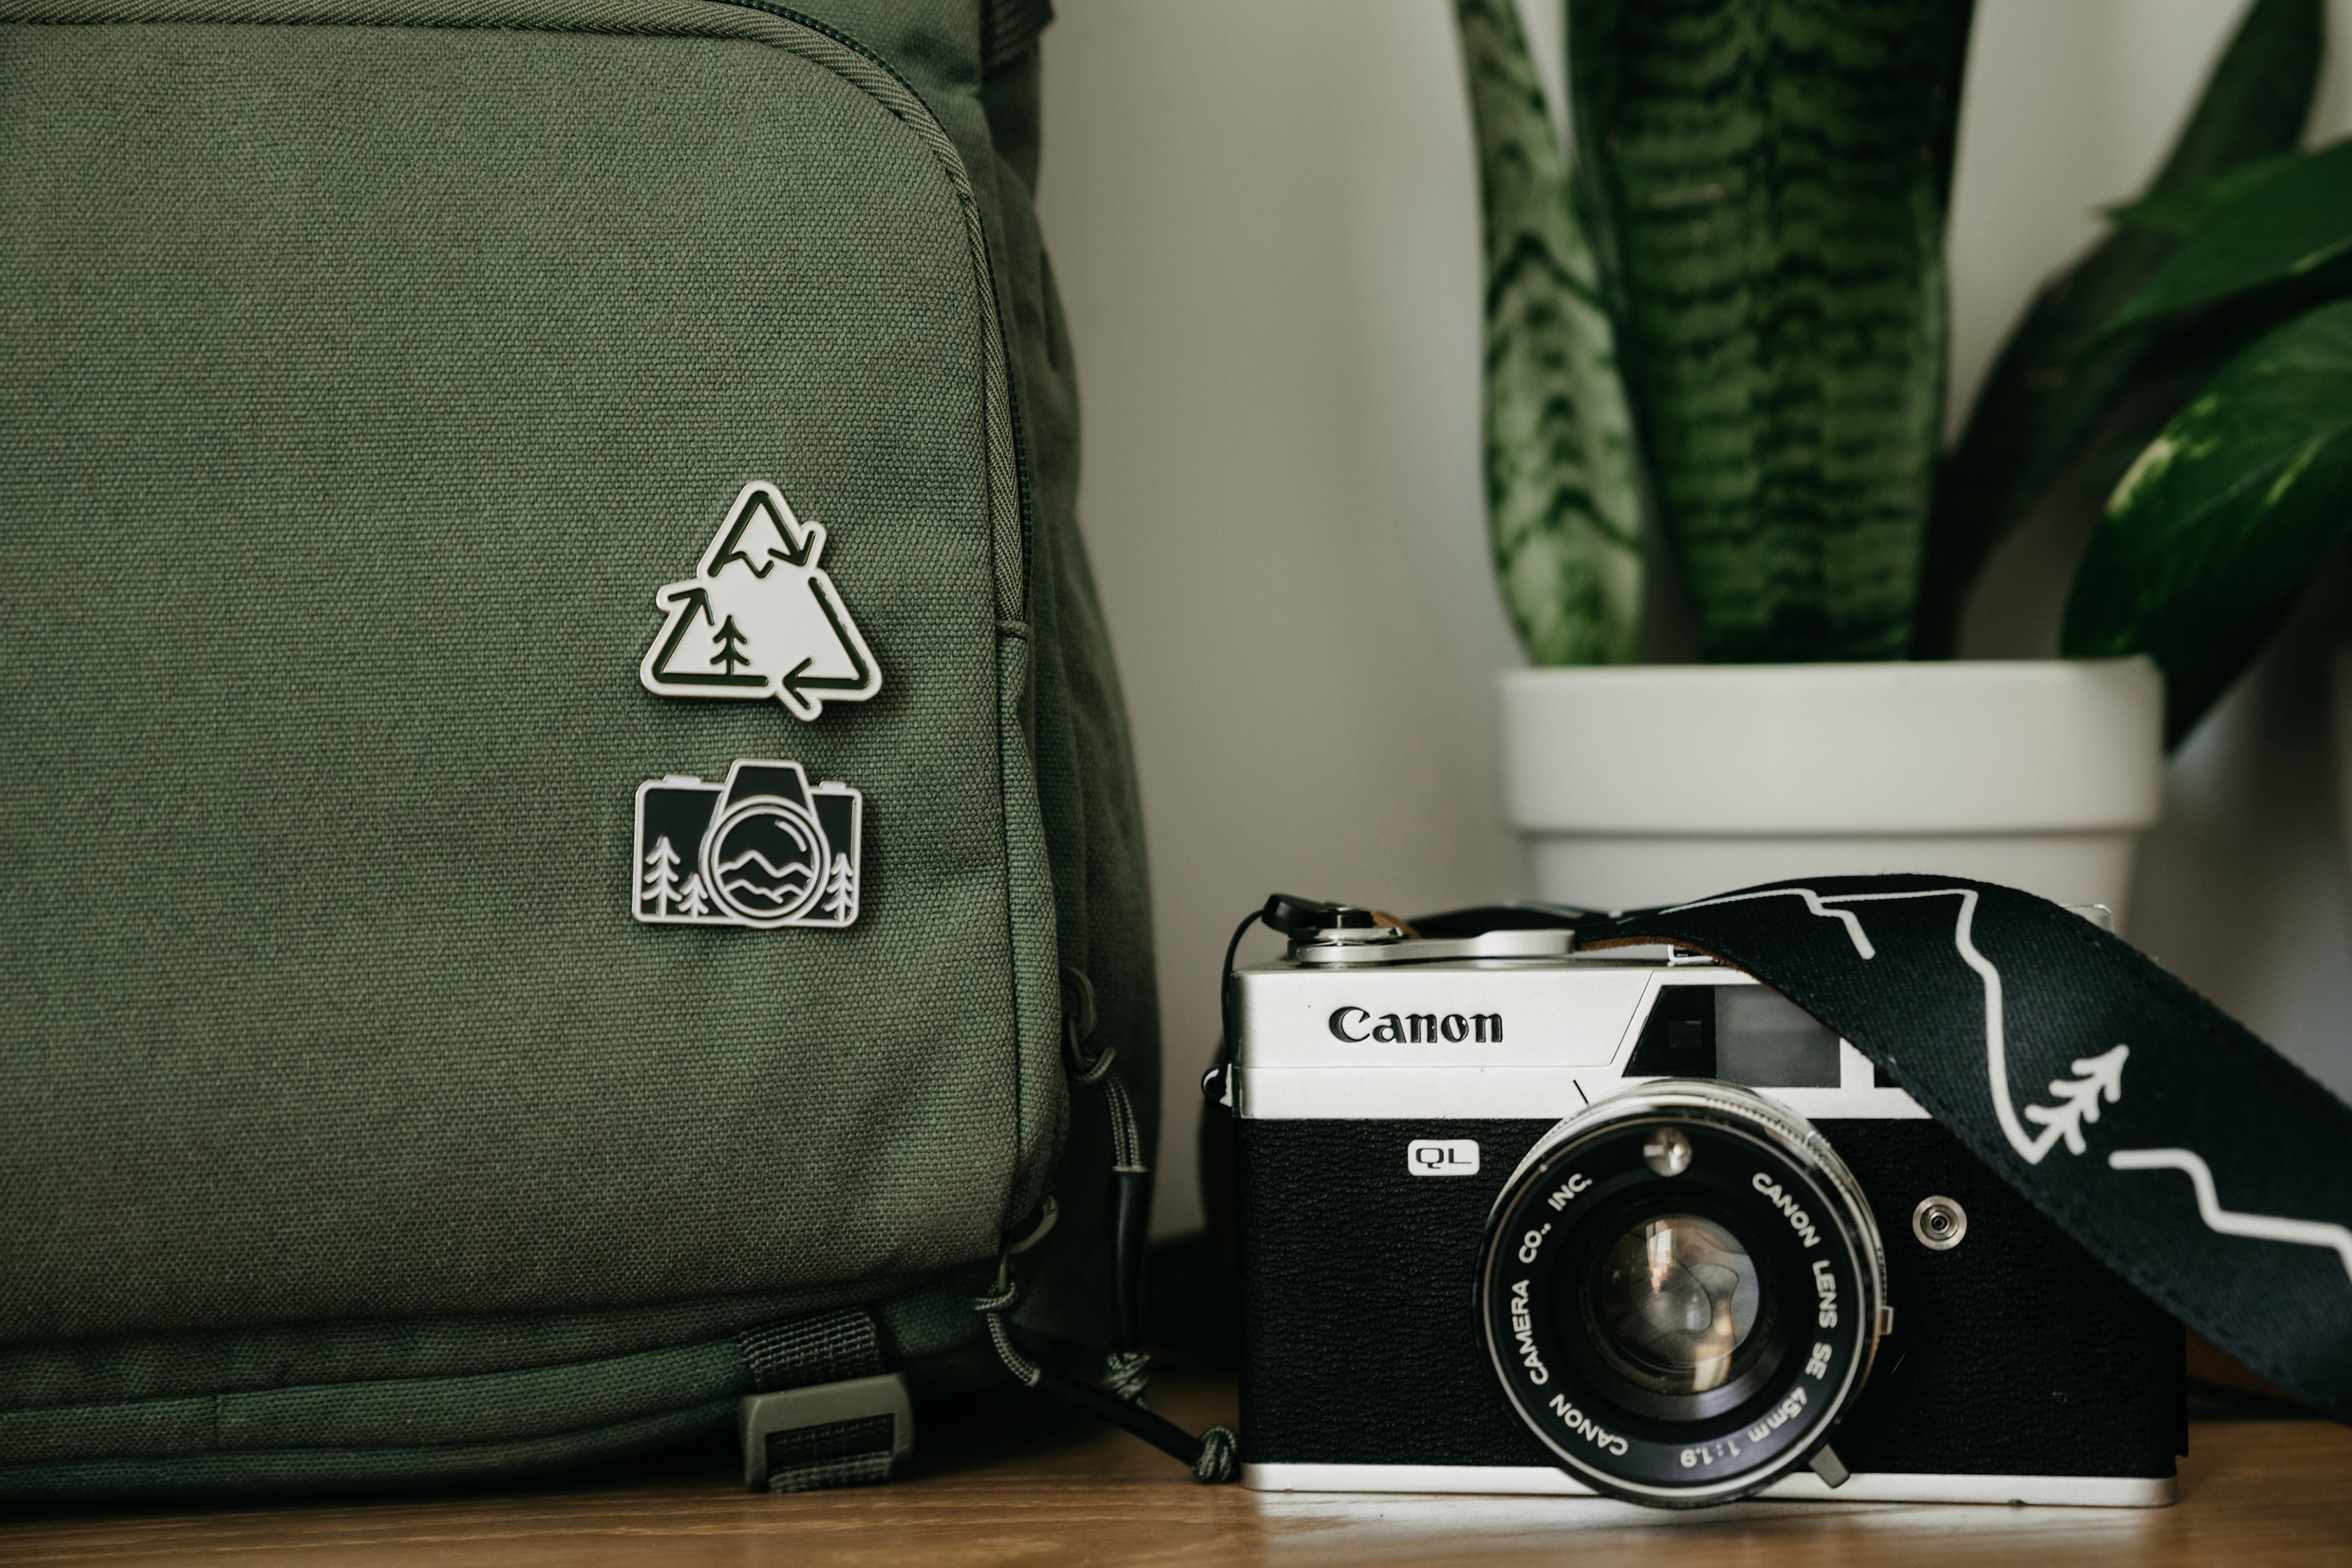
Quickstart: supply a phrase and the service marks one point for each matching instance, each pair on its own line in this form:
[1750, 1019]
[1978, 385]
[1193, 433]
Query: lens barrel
[1681, 1292]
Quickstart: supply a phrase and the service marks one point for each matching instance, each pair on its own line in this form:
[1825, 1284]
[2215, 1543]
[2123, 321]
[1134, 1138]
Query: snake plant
[1725, 318]
[1563, 495]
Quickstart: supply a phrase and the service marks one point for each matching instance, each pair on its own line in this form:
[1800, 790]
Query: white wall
[1263, 218]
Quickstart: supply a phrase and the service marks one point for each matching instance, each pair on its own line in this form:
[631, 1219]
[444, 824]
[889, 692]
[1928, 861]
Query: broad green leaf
[2056, 380]
[2225, 517]
[2285, 227]
[2176, 212]
[2176, 366]
[1774, 175]
[1563, 490]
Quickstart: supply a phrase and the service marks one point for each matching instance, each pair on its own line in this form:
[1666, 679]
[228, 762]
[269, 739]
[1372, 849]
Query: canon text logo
[1355, 1026]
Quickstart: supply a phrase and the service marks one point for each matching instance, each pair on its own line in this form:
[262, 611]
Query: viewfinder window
[1767, 1041]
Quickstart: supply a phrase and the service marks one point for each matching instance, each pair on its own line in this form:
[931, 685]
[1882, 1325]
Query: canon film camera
[1520, 1219]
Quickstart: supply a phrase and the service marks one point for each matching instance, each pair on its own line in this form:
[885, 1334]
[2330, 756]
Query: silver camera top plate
[1510, 1024]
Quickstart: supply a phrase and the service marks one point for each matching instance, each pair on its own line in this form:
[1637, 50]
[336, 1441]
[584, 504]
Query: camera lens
[1674, 1298]
[1681, 1292]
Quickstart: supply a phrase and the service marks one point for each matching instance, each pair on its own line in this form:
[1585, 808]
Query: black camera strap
[2191, 1158]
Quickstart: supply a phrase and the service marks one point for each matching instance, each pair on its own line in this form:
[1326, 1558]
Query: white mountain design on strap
[2097, 1078]
[2228, 1222]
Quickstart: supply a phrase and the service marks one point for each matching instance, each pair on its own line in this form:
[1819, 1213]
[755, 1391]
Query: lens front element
[1675, 1297]
[1681, 1292]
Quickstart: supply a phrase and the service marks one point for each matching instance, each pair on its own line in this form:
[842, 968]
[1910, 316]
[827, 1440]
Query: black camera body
[1517, 1218]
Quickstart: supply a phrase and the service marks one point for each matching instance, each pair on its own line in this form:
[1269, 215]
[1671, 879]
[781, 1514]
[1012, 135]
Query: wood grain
[1002, 1485]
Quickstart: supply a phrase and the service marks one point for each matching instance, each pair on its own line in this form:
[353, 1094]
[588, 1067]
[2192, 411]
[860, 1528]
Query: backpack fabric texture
[372, 365]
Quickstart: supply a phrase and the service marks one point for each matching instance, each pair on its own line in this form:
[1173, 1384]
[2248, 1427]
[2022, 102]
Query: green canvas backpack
[569, 854]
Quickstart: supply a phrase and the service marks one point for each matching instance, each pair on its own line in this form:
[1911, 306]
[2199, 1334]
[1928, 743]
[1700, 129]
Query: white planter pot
[1653, 784]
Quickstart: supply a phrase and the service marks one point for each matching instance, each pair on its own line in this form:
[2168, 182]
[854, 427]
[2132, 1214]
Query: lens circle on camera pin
[765, 860]
[1680, 1293]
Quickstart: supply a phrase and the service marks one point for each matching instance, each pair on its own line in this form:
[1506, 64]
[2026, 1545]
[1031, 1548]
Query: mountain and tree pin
[761, 618]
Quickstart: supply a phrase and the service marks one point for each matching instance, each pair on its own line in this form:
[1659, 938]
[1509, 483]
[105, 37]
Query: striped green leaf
[1563, 495]
[2057, 380]
[1774, 175]
[2225, 517]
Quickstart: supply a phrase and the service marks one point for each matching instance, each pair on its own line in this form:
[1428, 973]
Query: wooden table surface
[2253, 1493]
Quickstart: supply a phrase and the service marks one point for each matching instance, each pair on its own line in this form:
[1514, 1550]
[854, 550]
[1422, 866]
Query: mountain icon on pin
[761, 618]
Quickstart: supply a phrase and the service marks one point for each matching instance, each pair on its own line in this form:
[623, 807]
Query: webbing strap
[837, 1453]
[836, 1359]
[2176, 1147]
[830, 1348]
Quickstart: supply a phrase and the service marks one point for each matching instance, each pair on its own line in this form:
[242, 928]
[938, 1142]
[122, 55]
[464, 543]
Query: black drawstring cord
[1214, 1454]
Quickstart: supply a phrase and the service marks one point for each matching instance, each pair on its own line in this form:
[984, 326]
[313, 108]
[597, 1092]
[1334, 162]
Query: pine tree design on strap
[2096, 1077]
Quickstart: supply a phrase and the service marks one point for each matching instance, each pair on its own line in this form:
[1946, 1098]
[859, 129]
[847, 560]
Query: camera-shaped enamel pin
[765, 848]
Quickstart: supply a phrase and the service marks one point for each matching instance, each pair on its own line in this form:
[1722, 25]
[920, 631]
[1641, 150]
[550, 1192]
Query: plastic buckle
[760, 1415]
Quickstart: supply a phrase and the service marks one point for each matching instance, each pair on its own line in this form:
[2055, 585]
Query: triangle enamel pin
[761, 618]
